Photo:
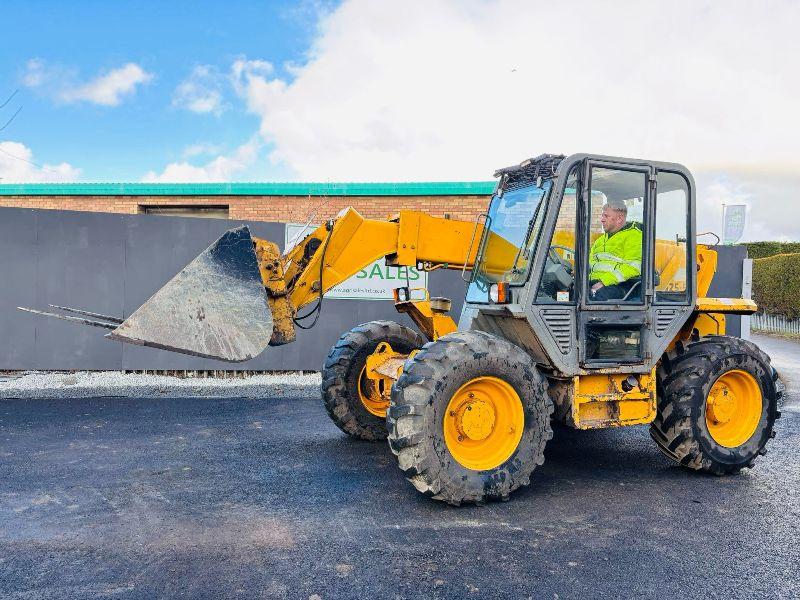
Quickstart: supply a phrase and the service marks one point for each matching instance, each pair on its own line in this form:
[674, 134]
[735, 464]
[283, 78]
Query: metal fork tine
[73, 319]
[86, 313]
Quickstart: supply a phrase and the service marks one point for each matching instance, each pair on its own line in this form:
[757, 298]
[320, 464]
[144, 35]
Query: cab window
[557, 282]
[515, 218]
[616, 220]
[672, 251]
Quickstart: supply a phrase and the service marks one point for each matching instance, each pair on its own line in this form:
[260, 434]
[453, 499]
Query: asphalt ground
[144, 498]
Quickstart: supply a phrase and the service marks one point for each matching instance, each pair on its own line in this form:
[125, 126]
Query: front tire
[717, 404]
[352, 403]
[469, 418]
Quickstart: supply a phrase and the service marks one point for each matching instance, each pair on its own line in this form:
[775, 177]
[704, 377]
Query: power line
[14, 93]
[14, 116]
[30, 162]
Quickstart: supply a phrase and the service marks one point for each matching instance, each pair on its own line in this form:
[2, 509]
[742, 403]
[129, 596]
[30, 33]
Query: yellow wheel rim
[483, 423]
[372, 396]
[733, 408]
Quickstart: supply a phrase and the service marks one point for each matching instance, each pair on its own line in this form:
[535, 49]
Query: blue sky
[419, 90]
[167, 40]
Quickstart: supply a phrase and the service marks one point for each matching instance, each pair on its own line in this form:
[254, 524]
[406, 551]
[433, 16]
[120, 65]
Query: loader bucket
[216, 307]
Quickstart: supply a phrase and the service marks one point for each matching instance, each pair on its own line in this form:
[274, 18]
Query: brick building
[281, 202]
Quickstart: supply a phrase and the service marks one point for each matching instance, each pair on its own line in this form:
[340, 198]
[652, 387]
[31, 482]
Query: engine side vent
[559, 324]
[664, 318]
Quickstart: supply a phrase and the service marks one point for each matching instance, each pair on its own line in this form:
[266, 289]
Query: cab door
[615, 273]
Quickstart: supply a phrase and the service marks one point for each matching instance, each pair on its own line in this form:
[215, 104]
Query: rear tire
[484, 455]
[702, 423]
[343, 374]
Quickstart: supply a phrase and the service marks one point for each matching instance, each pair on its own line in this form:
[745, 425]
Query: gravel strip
[91, 384]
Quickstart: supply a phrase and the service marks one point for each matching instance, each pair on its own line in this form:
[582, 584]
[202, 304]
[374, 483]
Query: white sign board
[374, 282]
[733, 219]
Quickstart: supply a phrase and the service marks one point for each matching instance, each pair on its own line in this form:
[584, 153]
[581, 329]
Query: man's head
[613, 216]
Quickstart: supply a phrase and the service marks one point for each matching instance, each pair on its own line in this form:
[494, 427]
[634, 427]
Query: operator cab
[594, 252]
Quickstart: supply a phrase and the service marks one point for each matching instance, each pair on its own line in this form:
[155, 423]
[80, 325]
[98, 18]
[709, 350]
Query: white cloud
[107, 89]
[770, 197]
[243, 71]
[35, 73]
[452, 89]
[201, 149]
[201, 92]
[17, 165]
[221, 168]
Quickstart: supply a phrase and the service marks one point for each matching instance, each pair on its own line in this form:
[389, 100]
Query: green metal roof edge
[444, 188]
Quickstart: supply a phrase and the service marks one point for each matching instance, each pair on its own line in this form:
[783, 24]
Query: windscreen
[515, 218]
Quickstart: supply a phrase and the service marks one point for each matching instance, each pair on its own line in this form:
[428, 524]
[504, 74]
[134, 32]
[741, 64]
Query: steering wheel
[554, 256]
[558, 271]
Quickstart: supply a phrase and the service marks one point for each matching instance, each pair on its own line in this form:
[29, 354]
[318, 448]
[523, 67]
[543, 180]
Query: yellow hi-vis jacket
[617, 257]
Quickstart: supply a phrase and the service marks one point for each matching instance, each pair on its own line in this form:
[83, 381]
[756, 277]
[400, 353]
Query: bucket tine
[86, 313]
[67, 318]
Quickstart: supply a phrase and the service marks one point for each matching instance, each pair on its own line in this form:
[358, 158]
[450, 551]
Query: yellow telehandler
[585, 303]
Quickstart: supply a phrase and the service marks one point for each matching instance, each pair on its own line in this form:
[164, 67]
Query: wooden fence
[774, 324]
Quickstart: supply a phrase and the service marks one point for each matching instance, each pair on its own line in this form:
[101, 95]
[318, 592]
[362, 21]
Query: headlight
[401, 294]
